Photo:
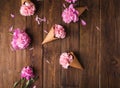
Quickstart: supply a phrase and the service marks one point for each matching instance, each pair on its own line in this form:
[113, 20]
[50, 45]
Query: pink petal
[45, 31]
[11, 29]
[34, 87]
[12, 15]
[39, 20]
[64, 5]
[47, 61]
[97, 28]
[83, 22]
[31, 48]
[36, 18]
[44, 19]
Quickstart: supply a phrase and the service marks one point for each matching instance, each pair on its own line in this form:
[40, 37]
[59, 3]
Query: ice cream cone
[81, 10]
[75, 63]
[50, 37]
[23, 1]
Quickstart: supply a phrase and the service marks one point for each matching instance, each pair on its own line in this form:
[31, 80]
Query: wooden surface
[96, 45]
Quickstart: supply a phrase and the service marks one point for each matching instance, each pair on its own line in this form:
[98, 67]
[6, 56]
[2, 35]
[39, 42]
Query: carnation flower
[27, 9]
[70, 14]
[59, 31]
[27, 78]
[65, 59]
[20, 39]
[71, 1]
[27, 73]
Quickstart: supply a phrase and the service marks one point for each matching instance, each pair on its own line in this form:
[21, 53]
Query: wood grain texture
[96, 45]
[110, 58]
[52, 11]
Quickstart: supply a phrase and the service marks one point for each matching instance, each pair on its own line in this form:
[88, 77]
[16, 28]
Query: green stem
[16, 83]
[23, 83]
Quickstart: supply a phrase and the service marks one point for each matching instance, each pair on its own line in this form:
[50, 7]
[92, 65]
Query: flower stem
[16, 83]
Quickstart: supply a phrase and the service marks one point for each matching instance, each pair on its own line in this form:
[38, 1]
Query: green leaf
[27, 84]
[16, 83]
[34, 79]
[23, 83]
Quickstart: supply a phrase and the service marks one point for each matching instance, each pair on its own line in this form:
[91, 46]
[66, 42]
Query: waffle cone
[50, 36]
[81, 10]
[23, 1]
[75, 63]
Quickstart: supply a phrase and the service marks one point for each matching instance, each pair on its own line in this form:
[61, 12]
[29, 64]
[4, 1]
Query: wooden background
[96, 45]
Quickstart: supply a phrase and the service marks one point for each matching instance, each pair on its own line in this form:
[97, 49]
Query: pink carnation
[59, 31]
[70, 14]
[27, 9]
[27, 73]
[20, 40]
[71, 1]
[65, 59]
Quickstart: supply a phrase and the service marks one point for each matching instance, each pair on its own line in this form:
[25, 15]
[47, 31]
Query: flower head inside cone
[27, 8]
[75, 63]
[56, 32]
[69, 59]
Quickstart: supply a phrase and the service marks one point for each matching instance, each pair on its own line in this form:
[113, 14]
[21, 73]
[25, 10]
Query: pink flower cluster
[27, 9]
[27, 73]
[71, 1]
[65, 59]
[59, 31]
[70, 14]
[20, 40]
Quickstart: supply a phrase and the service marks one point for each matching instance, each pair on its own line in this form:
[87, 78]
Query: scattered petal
[31, 48]
[83, 22]
[45, 31]
[44, 19]
[34, 87]
[11, 29]
[12, 15]
[64, 5]
[47, 61]
[97, 28]
[39, 20]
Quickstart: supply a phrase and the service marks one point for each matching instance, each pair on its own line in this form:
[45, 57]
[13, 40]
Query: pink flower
[27, 9]
[27, 73]
[83, 22]
[20, 40]
[65, 59]
[70, 14]
[71, 1]
[59, 31]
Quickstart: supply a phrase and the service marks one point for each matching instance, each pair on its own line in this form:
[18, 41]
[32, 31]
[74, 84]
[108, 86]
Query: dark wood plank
[11, 61]
[90, 45]
[96, 45]
[110, 26]
[34, 56]
[71, 78]
[51, 72]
